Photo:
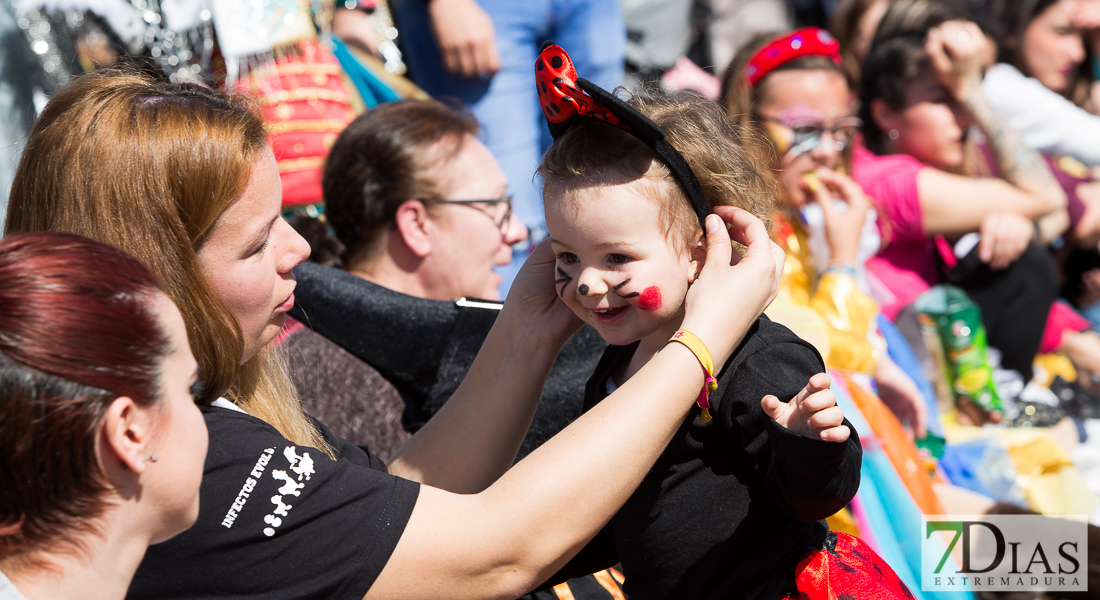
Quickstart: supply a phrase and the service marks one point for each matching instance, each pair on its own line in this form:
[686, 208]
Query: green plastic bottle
[959, 324]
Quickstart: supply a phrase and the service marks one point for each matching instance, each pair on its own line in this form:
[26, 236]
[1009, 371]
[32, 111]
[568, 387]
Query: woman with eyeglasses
[420, 204]
[790, 90]
[420, 210]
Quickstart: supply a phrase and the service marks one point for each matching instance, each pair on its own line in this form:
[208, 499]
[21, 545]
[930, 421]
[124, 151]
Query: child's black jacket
[730, 506]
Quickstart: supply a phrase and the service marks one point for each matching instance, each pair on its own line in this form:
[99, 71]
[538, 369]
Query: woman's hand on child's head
[535, 303]
[812, 413]
[842, 227]
[731, 286]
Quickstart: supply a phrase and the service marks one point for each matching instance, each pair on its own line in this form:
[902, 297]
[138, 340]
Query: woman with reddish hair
[101, 443]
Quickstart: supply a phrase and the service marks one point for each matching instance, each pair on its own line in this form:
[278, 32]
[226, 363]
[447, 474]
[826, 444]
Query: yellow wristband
[699, 349]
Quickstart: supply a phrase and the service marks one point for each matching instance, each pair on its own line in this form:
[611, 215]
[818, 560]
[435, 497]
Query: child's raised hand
[812, 413]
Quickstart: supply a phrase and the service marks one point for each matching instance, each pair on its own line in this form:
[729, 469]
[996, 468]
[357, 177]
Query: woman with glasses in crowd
[790, 90]
[421, 216]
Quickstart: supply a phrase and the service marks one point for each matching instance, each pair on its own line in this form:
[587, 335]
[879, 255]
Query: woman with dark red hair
[101, 443]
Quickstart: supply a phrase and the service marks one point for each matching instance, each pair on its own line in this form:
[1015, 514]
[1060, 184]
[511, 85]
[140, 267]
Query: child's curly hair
[594, 154]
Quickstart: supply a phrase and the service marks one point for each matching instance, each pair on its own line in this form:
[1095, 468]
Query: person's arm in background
[952, 204]
[847, 311]
[1045, 120]
[355, 27]
[464, 33]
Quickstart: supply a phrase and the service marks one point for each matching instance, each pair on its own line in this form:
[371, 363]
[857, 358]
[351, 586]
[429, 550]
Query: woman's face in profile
[250, 254]
[1052, 46]
[470, 239]
[931, 127]
[179, 437]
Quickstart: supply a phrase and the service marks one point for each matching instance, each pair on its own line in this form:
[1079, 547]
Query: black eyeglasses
[506, 201]
[808, 134]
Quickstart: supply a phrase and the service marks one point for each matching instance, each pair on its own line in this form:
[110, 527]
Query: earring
[893, 134]
[696, 278]
[153, 458]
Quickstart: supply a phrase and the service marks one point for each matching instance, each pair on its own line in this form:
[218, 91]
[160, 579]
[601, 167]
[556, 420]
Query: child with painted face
[734, 506]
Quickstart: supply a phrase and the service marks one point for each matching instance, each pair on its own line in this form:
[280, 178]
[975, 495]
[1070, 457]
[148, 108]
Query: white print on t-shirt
[302, 466]
[246, 489]
[280, 508]
[289, 486]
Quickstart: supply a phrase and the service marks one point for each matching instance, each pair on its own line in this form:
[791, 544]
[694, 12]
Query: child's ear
[698, 257]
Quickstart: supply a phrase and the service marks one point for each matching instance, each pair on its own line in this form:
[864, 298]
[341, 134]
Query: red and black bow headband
[566, 99]
[808, 41]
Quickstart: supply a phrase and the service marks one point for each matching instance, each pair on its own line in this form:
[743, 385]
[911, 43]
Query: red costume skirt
[846, 569]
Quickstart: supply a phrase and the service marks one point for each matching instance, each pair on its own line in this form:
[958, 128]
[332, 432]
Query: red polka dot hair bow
[567, 99]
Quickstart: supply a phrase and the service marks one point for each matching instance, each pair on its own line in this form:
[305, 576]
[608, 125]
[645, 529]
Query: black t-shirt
[278, 520]
[731, 505]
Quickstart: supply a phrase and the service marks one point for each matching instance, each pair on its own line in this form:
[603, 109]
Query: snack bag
[958, 321]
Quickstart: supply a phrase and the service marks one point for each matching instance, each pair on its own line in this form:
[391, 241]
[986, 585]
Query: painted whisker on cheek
[650, 298]
[620, 286]
[563, 279]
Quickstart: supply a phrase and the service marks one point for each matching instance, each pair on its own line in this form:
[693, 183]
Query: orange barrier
[901, 451]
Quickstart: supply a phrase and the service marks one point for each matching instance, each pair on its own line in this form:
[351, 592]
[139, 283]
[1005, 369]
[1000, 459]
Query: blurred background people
[800, 108]
[1041, 81]
[919, 100]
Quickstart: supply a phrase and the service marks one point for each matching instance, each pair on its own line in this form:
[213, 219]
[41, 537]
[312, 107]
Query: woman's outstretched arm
[474, 438]
[953, 204]
[526, 525]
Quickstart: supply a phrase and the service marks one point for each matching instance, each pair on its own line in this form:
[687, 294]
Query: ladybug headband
[567, 99]
[808, 41]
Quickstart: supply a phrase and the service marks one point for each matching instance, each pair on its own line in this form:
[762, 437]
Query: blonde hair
[593, 153]
[149, 168]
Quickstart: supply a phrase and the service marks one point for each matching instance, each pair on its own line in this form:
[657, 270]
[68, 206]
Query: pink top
[906, 267]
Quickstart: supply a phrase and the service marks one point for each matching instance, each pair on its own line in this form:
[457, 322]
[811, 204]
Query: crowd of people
[590, 318]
